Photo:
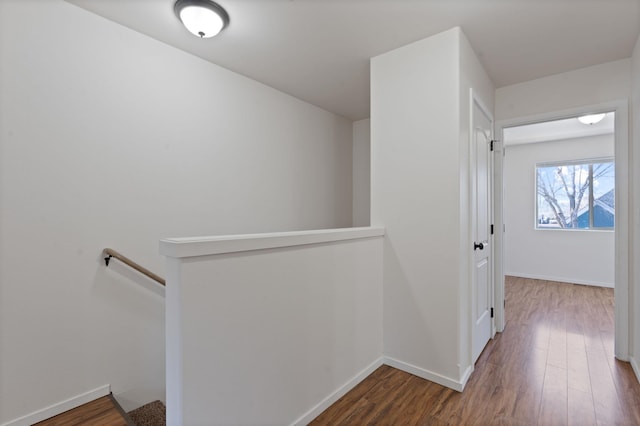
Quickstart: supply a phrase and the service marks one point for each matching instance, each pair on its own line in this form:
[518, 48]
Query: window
[576, 195]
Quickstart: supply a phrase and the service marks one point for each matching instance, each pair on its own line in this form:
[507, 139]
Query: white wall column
[420, 129]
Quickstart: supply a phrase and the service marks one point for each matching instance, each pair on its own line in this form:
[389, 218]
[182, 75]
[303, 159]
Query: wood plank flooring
[553, 365]
[103, 411]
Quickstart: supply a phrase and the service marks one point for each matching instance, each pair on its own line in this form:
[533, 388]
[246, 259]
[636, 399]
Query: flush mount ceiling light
[203, 18]
[591, 118]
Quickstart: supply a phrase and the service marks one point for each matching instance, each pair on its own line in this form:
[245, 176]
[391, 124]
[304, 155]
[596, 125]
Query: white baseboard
[465, 377]
[337, 394]
[429, 375]
[60, 407]
[635, 366]
[560, 279]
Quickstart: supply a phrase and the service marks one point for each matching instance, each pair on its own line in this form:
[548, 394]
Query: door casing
[622, 228]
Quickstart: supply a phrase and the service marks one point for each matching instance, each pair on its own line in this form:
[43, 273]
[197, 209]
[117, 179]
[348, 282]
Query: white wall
[362, 172]
[609, 85]
[472, 77]
[274, 328]
[586, 86]
[582, 257]
[635, 143]
[419, 143]
[110, 138]
[414, 143]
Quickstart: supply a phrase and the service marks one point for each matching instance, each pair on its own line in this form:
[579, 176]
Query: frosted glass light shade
[591, 118]
[203, 18]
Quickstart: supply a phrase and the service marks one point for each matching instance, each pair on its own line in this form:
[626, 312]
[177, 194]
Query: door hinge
[491, 145]
[492, 229]
[491, 312]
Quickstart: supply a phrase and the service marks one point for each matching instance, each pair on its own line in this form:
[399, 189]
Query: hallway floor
[553, 365]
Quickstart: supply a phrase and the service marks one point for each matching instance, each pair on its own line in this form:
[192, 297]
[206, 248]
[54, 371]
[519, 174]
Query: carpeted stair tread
[151, 414]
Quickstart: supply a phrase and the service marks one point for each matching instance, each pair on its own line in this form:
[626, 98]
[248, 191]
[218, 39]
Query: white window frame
[590, 162]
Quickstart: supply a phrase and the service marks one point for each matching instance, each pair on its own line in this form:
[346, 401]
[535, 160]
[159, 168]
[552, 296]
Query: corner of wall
[475, 87]
[635, 366]
[361, 209]
[60, 407]
[432, 376]
[420, 292]
[634, 272]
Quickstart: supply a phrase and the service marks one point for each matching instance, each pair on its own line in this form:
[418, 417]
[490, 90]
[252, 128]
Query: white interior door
[482, 294]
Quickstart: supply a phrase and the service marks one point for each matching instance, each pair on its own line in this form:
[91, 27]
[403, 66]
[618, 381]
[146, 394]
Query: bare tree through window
[576, 195]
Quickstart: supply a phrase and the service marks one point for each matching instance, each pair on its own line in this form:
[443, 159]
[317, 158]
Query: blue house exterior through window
[603, 212]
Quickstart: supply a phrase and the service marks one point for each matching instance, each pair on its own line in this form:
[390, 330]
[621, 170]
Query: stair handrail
[111, 253]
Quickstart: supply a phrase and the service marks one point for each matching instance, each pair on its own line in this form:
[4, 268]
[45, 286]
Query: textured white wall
[362, 172]
[583, 257]
[110, 138]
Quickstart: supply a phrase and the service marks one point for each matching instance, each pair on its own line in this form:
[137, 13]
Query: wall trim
[428, 375]
[337, 394]
[466, 376]
[560, 279]
[391, 362]
[206, 246]
[60, 407]
[635, 367]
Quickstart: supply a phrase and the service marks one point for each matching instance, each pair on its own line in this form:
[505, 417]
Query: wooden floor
[553, 365]
[101, 412]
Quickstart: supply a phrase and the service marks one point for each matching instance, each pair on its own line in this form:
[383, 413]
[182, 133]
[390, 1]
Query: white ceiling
[319, 50]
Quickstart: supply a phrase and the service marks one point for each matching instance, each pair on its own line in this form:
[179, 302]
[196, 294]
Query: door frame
[622, 228]
[475, 99]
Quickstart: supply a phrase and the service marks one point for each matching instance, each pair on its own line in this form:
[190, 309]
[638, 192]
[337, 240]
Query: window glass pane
[563, 196]
[603, 195]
